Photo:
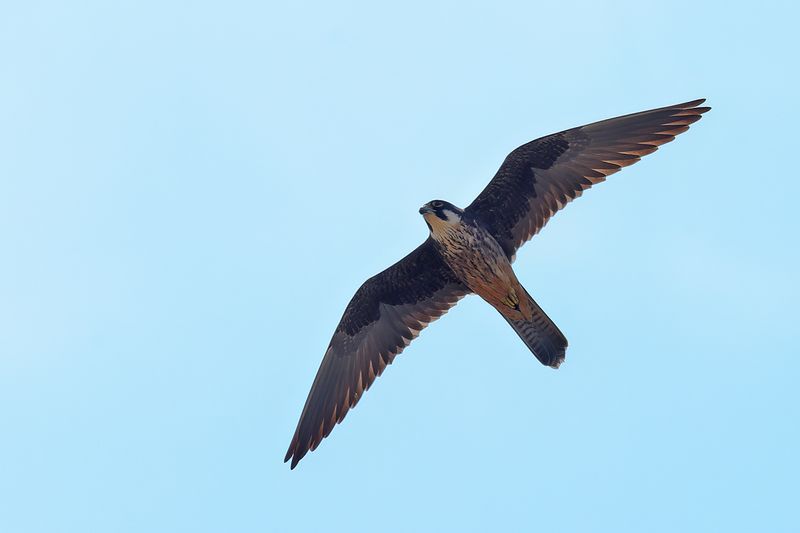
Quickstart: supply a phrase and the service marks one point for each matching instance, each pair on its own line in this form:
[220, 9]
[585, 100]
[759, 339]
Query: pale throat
[441, 228]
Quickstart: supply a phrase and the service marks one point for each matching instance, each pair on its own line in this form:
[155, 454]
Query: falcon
[470, 251]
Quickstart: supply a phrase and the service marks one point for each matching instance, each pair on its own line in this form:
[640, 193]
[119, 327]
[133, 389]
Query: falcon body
[476, 259]
[469, 251]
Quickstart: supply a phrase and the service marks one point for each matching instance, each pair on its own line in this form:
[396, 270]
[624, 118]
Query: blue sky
[191, 192]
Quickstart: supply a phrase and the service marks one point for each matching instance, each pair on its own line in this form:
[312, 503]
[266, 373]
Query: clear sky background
[190, 193]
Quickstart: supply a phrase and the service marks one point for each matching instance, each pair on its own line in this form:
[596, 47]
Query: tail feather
[541, 336]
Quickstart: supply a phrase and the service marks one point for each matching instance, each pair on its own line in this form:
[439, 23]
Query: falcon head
[439, 215]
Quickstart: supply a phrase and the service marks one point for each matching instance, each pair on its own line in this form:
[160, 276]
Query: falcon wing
[540, 177]
[385, 315]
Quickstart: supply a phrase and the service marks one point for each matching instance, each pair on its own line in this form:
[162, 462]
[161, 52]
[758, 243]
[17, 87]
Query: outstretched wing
[385, 315]
[540, 177]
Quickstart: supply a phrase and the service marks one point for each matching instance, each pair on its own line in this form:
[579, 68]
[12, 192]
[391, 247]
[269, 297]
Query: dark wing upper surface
[540, 177]
[385, 315]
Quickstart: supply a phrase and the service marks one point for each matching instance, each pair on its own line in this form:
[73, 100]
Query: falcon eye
[437, 204]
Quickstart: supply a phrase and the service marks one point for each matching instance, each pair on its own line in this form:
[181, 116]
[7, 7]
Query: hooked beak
[425, 209]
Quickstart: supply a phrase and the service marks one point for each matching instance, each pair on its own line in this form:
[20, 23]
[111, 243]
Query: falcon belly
[479, 262]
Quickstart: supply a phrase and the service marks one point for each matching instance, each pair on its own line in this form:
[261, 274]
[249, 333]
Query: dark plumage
[540, 177]
[471, 250]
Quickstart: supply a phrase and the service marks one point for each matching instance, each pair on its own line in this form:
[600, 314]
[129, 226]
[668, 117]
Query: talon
[511, 300]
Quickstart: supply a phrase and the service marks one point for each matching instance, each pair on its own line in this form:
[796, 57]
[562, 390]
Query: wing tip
[693, 103]
[695, 106]
[295, 454]
[289, 453]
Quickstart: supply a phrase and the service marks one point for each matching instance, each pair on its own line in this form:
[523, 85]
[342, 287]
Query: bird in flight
[470, 251]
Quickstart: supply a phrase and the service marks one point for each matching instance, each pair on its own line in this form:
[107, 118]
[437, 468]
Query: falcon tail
[541, 336]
